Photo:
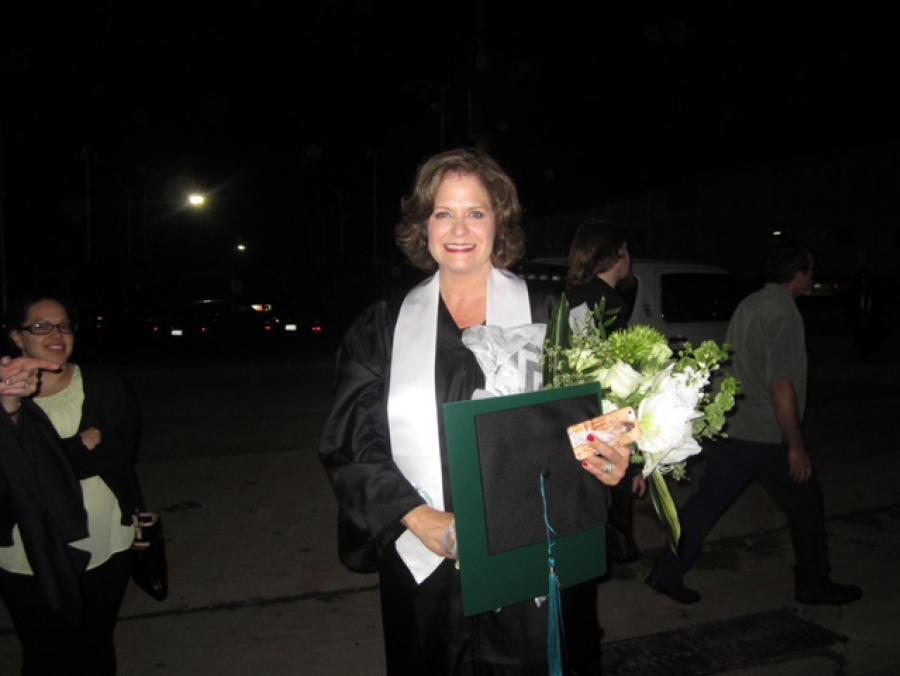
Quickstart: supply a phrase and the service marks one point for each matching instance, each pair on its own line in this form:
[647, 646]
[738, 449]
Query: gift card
[619, 428]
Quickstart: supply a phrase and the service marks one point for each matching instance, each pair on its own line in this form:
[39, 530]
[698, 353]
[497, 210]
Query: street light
[196, 200]
[241, 247]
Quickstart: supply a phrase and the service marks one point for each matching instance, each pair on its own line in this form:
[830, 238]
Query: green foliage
[591, 353]
[708, 357]
[556, 343]
[713, 419]
[642, 347]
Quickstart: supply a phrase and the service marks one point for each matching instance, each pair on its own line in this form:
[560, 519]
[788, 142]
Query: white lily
[665, 418]
[622, 379]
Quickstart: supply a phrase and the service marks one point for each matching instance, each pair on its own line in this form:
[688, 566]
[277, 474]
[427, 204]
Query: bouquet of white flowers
[671, 393]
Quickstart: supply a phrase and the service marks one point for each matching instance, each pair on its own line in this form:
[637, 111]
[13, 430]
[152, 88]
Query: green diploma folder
[498, 450]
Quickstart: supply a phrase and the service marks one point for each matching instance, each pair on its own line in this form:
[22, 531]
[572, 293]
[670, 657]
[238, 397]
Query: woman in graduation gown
[383, 444]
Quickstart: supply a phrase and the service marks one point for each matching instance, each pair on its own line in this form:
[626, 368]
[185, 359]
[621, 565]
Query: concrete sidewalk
[256, 587]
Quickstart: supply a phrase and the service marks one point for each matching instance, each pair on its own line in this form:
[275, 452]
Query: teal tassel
[554, 628]
[554, 618]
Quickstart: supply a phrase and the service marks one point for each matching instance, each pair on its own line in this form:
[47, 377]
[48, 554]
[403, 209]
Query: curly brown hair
[417, 207]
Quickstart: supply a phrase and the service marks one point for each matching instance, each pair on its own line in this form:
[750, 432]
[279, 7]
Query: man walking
[765, 441]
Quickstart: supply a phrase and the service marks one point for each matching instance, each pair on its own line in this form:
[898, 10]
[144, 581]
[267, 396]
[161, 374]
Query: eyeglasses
[44, 328]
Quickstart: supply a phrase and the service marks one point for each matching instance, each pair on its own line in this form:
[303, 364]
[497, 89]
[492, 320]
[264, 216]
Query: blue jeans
[731, 464]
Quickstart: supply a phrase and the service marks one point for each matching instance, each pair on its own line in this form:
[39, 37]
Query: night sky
[290, 115]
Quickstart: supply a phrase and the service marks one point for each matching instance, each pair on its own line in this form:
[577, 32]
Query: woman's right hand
[434, 528]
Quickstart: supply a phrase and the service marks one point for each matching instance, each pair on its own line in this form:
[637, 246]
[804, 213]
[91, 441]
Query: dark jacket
[39, 481]
[40, 492]
[592, 291]
[111, 407]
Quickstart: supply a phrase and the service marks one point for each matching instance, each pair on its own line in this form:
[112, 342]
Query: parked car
[227, 324]
[687, 302]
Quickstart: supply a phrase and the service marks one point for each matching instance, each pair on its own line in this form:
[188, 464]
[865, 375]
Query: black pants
[51, 646]
[731, 464]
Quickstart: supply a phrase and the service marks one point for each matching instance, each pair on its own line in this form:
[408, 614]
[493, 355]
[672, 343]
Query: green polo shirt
[769, 342]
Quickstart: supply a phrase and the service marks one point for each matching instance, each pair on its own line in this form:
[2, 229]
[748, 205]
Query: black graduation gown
[425, 630]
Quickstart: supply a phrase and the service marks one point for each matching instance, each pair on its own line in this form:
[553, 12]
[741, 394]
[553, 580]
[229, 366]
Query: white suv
[687, 302]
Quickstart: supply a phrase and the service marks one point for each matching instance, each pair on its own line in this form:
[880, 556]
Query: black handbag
[148, 563]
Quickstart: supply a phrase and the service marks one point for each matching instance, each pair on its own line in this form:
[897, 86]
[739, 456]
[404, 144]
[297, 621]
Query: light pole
[3, 275]
[372, 155]
[89, 159]
[339, 193]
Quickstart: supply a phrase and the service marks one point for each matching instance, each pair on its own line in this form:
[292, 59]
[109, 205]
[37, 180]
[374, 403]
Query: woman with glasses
[68, 490]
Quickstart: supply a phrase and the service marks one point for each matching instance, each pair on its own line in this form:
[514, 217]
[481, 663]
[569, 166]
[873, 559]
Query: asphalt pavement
[256, 587]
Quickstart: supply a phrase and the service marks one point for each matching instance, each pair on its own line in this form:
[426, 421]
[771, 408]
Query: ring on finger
[609, 468]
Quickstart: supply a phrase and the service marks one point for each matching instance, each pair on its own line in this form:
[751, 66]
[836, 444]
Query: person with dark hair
[765, 441]
[383, 444]
[599, 251]
[598, 261]
[68, 492]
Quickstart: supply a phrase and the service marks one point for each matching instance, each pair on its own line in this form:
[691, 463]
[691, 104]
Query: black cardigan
[39, 475]
[40, 492]
[111, 407]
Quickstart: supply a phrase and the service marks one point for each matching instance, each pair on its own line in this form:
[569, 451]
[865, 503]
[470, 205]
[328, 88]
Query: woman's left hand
[19, 377]
[91, 437]
[610, 464]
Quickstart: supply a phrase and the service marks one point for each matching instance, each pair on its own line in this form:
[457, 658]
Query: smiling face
[54, 346]
[461, 227]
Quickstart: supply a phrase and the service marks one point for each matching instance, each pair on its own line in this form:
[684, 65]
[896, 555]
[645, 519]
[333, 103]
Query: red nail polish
[585, 464]
[591, 437]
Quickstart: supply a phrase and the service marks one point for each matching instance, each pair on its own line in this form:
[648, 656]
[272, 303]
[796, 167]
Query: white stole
[412, 406]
